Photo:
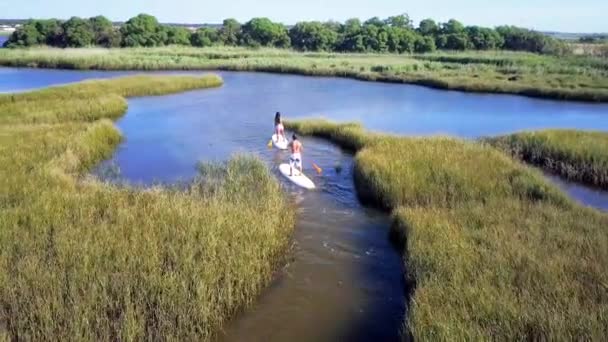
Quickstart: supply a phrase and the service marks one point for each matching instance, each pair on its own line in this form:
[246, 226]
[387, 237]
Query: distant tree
[177, 36]
[105, 33]
[483, 38]
[351, 36]
[375, 21]
[516, 38]
[453, 26]
[26, 35]
[263, 32]
[428, 27]
[425, 44]
[441, 41]
[457, 41]
[400, 21]
[401, 40]
[453, 36]
[77, 32]
[142, 30]
[51, 31]
[230, 32]
[312, 36]
[205, 36]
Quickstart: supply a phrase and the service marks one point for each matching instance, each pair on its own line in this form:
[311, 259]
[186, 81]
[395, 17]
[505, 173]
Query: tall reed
[492, 250]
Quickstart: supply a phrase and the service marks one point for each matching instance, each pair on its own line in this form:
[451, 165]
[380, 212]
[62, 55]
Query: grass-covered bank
[576, 155]
[572, 78]
[495, 251]
[85, 260]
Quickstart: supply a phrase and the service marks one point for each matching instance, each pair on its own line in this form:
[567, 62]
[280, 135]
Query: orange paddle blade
[319, 170]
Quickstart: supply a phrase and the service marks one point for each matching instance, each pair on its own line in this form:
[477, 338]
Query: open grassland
[492, 250]
[570, 78]
[576, 155]
[85, 260]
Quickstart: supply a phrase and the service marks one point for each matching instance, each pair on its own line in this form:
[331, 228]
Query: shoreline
[490, 79]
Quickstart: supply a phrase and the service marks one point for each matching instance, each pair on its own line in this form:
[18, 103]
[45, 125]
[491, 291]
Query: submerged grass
[85, 260]
[576, 155]
[573, 78]
[493, 251]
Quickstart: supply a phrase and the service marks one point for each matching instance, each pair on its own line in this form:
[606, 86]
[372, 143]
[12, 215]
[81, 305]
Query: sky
[547, 15]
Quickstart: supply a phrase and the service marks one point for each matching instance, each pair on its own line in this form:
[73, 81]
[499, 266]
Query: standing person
[279, 129]
[295, 160]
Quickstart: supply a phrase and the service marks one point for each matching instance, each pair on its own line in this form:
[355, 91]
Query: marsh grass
[492, 250]
[85, 260]
[573, 78]
[577, 155]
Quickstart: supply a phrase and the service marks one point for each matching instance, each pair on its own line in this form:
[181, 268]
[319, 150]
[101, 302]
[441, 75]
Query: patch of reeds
[573, 78]
[576, 155]
[85, 260]
[492, 250]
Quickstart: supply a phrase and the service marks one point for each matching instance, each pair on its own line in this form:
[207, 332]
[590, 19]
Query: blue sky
[558, 15]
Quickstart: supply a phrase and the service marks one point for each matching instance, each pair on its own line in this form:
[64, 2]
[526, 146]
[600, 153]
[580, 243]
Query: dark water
[345, 279]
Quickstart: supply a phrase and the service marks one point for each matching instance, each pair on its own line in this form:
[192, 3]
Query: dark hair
[277, 118]
[294, 137]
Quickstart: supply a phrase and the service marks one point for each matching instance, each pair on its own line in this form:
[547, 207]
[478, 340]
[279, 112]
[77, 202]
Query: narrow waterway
[344, 279]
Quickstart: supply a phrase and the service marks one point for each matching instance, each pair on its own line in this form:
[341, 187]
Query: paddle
[317, 168]
[269, 144]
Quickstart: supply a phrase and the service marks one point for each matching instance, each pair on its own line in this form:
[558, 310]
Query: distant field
[568, 78]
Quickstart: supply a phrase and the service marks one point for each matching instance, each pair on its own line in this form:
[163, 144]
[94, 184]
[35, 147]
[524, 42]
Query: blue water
[2, 40]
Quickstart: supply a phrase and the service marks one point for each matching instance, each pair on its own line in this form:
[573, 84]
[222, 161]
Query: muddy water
[344, 279]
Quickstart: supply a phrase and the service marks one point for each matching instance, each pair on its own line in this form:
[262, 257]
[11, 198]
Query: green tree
[105, 33]
[312, 36]
[177, 36]
[453, 26]
[441, 41]
[263, 32]
[425, 44]
[401, 40]
[401, 21]
[483, 38]
[453, 36]
[26, 35]
[142, 30]
[51, 31]
[520, 39]
[230, 32]
[77, 32]
[457, 41]
[351, 37]
[428, 27]
[205, 36]
[375, 21]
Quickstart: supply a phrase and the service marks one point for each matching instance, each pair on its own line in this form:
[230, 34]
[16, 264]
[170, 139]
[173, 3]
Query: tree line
[395, 34]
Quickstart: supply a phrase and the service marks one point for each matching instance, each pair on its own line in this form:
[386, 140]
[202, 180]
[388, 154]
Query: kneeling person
[295, 160]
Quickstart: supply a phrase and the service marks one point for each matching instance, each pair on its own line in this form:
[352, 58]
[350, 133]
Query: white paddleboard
[297, 178]
[279, 142]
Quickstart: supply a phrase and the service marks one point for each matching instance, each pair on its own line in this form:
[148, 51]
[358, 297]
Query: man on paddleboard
[279, 130]
[295, 160]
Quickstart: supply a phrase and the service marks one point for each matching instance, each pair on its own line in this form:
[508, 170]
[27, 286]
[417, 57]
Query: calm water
[344, 282]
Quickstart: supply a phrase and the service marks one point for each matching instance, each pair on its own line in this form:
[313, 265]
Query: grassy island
[491, 249]
[85, 260]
